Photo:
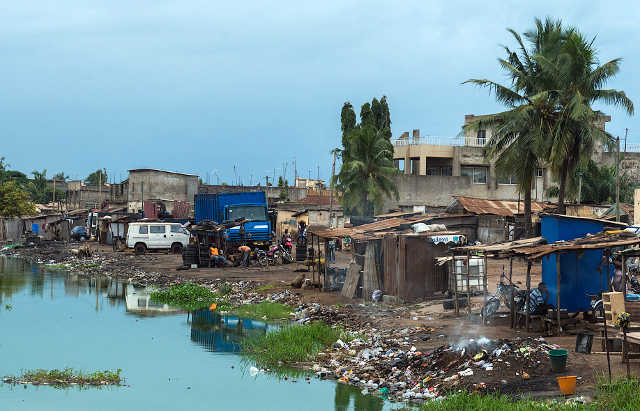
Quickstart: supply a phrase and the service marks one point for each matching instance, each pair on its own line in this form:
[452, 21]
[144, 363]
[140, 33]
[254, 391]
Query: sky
[236, 91]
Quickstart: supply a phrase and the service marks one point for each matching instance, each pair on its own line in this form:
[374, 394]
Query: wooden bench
[633, 338]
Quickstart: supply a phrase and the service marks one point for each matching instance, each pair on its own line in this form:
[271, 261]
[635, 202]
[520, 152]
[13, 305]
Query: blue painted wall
[580, 275]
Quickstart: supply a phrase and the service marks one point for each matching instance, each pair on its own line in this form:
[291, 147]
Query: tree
[367, 158]
[14, 201]
[61, 176]
[519, 137]
[97, 176]
[365, 175]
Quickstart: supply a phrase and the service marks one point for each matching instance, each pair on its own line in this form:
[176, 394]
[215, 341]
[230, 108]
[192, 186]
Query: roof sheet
[498, 207]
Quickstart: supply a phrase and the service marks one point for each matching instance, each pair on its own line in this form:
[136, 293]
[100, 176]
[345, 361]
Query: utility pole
[618, 179]
[580, 188]
[318, 171]
[54, 189]
[267, 178]
[333, 171]
[626, 133]
[100, 189]
[295, 172]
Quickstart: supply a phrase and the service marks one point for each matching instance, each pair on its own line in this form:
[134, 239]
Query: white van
[143, 236]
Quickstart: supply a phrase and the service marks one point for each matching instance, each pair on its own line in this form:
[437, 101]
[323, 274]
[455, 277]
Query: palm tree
[366, 171]
[577, 82]
[518, 140]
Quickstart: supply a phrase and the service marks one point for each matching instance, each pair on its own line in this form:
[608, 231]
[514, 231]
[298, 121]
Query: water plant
[266, 287]
[189, 296]
[293, 344]
[65, 377]
[224, 289]
[263, 311]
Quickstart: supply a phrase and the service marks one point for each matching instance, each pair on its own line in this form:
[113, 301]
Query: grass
[66, 377]
[92, 265]
[620, 394]
[190, 297]
[291, 345]
[266, 287]
[263, 311]
[57, 267]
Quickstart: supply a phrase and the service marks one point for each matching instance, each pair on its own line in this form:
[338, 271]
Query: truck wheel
[176, 248]
[140, 248]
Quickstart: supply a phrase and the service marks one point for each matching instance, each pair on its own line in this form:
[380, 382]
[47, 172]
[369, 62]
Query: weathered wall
[629, 165]
[160, 185]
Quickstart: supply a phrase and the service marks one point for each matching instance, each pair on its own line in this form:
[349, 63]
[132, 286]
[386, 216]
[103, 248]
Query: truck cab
[257, 228]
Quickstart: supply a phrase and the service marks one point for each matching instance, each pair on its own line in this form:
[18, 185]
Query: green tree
[61, 176]
[14, 201]
[97, 176]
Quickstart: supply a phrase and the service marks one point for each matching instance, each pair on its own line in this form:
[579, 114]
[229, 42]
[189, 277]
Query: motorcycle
[597, 309]
[505, 292]
[287, 243]
[271, 257]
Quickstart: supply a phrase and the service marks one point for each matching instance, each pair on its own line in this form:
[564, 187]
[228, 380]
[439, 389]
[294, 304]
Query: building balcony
[457, 141]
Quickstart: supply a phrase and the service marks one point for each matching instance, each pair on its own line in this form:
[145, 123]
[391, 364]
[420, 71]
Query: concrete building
[309, 183]
[81, 195]
[147, 184]
[435, 168]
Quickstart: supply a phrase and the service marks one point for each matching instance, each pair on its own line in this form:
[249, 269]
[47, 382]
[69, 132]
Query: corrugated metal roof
[498, 207]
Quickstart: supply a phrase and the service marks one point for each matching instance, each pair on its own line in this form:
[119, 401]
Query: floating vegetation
[291, 345]
[266, 287]
[66, 377]
[263, 311]
[190, 296]
[57, 267]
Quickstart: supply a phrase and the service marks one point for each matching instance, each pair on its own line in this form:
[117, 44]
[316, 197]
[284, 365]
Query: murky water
[170, 360]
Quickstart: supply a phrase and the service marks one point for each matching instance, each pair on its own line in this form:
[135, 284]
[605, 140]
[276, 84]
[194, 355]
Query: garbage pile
[391, 369]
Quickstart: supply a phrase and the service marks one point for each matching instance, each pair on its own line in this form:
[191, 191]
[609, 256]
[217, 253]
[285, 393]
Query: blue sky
[201, 86]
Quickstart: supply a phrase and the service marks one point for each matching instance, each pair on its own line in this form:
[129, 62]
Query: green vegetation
[14, 201]
[190, 297]
[290, 345]
[263, 311]
[266, 287]
[367, 158]
[620, 394]
[96, 177]
[56, 267]
[66, 377]
[555, 79]
[8, 307]
[225, 289]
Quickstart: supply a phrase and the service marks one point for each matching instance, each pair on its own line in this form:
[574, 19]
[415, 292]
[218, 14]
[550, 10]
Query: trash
[525, 376]
[340, 344]
[466, 373]
[253, 371]
[376, 296]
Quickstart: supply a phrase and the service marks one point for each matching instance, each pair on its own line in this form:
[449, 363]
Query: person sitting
[538, 300]
[217, 257]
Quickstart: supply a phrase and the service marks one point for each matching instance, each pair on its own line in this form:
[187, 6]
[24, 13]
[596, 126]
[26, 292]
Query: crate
[613, 304]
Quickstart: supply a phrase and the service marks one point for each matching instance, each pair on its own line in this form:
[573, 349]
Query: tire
[262, 258]
[176, 248]
[598, 312]
[286, 257]
[140, 248]
[490, 308]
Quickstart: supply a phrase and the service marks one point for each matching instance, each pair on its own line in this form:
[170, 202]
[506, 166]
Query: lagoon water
[171, 360]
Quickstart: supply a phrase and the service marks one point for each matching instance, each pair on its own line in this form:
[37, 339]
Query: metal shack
[409, 263]
[579, 270]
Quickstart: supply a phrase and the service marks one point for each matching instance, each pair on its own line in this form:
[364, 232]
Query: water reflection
[218, 333]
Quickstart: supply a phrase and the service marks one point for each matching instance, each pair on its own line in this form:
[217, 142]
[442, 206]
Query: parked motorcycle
[276, 254]
[597, 309]
[504, 292]
[287, 243]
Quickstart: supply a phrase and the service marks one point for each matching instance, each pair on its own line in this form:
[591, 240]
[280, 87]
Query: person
[217, 256]
[617, 279]
[245, 254]
[538, 300]
[302, 232]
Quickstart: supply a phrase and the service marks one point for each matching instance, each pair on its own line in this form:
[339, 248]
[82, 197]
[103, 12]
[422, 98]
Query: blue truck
[225, 207]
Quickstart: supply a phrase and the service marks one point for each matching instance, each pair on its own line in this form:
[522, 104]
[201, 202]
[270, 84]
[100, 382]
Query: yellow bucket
[567, 384]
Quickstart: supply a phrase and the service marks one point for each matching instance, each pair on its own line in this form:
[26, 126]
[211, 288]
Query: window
[415, 166]
[157, 229]
[433, 171]
[251, 213]
[507, 180]
[478, 174]
[482, 137]
[176, 229]
[446, 171]
[399, 164]
[144, 229]
[540, 172]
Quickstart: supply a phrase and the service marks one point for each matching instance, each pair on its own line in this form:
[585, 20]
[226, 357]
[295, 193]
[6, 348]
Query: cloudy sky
[203, 86]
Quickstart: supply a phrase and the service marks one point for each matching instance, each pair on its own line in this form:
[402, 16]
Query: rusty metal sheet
[498, 207]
